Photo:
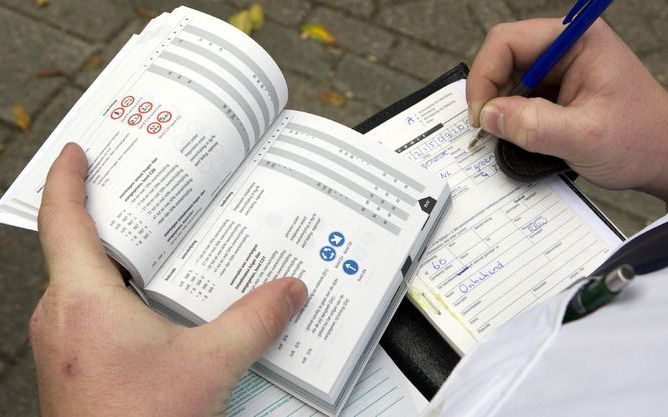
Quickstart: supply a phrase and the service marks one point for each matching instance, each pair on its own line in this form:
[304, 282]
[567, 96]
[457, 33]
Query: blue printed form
[504, 246]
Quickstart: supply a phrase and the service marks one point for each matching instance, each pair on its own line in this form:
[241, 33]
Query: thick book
[204, 187]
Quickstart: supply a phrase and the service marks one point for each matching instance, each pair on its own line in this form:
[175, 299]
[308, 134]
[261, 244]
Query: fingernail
[296, 296]
[491, 120]
[474, 109]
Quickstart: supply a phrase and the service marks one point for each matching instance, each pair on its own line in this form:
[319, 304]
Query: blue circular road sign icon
[350, 267]
[336, 239]
[327, 253]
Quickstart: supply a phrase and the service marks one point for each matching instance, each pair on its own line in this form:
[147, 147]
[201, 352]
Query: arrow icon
[350, 267]
[336, 239]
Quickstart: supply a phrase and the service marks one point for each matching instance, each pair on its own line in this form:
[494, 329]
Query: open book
[203, 187]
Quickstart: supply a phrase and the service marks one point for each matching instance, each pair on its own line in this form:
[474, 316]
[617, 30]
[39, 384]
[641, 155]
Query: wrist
[657, 184]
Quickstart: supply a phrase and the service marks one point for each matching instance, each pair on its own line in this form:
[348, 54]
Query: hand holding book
[89, 328]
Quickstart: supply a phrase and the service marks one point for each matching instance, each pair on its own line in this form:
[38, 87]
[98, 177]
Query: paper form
[382, 390]
[504, 245]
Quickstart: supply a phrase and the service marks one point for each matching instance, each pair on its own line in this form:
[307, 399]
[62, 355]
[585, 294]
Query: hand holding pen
[609, 121]
[579, 19]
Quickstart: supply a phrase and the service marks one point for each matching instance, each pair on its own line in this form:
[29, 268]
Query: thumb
[240, 335]
[534, 124]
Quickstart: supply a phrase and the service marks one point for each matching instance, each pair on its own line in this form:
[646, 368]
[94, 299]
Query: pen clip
[575, 11]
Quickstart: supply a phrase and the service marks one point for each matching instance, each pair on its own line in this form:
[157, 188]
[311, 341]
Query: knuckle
[34, 327]
[49, 216]
[268, 322]
[66, 311]
[498, 30]
[528, 124]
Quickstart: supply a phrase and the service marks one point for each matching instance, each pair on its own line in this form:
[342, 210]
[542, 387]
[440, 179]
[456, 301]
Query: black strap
[646, 253]
[522, 165]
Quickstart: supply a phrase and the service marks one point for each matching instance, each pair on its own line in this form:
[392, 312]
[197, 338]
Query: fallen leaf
[50, 72]
[2, 149]
[21, 117]
[41, 3]
[256, 15]
[318, 33]
[93, 62]
[145, 13]
[242, 21]
[45, 271]
[333, 98]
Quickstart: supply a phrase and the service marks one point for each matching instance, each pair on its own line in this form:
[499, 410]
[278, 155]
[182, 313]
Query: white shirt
[611, 363]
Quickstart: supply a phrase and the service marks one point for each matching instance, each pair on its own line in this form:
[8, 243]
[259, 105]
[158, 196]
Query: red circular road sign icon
[164, 116]
[117, 113]
[153, 128]
[145, 107]
[127, 101]
[134, 119]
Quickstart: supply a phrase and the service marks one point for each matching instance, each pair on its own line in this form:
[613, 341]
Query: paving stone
[87, 75]
[95, 20]
[352, 34]
[304, 96]
[27, 47]
[424, 63]
[22, 146]
[636, 203]
[491, 12]
[624, 20]
[16, 308]
[527, 8]
[364, 8]
[446, 25]
[285, 12]
[21, 259]
[18, 389]
[290, 52]
[657, 63]
[221, 9]
[372, 82]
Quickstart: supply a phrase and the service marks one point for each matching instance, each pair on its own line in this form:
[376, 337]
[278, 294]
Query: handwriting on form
[482, 276]
[438, 263]
[537, 224]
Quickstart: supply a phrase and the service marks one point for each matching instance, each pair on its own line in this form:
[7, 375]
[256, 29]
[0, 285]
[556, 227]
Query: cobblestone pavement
[384, 50]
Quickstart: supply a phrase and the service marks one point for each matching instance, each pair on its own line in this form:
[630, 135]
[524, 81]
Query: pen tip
[481, 133]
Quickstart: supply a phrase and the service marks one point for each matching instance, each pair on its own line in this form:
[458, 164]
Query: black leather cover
[410, 340]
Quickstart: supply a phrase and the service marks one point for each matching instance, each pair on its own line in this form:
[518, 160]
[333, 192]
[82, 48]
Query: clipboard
[410, 340]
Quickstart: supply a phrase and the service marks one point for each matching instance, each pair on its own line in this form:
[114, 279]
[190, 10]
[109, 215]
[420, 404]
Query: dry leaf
[41, 3]
[145, 13]
[93, 62]
[45, 271]
[242, 21]
[256, 15]
[21, 117]
[318, 33]
[50, 72]
[333, 98]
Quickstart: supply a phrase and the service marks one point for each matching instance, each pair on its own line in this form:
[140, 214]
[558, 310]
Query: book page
[163, 127]
[504, 245]
[317, 202]
[382, 390]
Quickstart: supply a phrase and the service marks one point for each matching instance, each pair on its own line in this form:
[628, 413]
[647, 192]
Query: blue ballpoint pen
[578, 20]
